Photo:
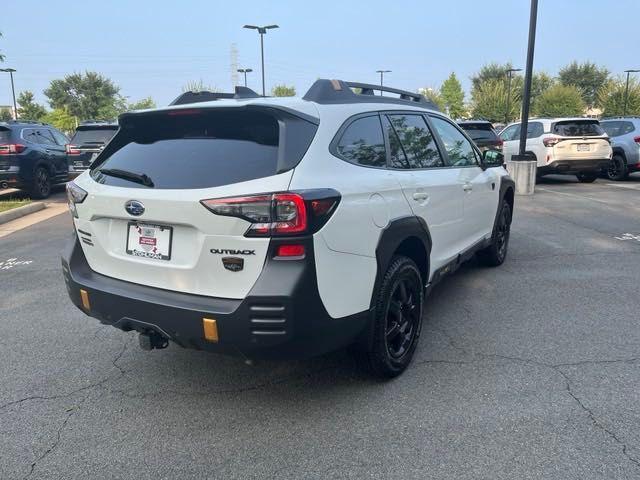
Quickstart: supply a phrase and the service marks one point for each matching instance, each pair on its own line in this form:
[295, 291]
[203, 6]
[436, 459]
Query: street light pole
[382, 72]
[510, 72]
[13, 90]
[626, 91]
[261, 31]
[245, 71]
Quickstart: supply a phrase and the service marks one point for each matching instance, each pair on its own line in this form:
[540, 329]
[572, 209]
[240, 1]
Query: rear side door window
[460, 151]
[534, 130]
[44, 137]
[510, 133]
[362, 143]
[416, 142]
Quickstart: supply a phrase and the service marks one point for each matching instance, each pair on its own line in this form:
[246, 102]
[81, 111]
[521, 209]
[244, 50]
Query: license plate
[583, 147]
[149, 241]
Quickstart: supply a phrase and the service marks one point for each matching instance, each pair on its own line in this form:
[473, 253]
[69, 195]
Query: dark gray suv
[624, 133]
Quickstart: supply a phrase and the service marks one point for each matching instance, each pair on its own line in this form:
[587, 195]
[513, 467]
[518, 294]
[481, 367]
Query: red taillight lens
[278, 214]
[550, 142]
[636, 139]
[11, 148]
[289, 251]
[72, 150]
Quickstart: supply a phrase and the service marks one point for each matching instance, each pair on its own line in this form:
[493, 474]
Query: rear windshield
[5, 135]
[201, 149]
[578, 128]
[479, 131]
[617, 128]
[94, 136]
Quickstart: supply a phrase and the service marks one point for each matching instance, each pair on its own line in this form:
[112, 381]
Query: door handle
[467, 187]
[420, 196]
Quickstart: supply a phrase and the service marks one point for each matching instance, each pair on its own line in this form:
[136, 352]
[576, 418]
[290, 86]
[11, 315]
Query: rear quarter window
[577, 128]
[362, 142]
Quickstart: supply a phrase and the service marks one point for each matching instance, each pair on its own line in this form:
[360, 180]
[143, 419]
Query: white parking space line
[575, 195]
[622, 185]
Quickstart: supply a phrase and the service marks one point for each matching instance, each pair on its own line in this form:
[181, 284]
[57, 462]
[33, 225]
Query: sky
[154, 48]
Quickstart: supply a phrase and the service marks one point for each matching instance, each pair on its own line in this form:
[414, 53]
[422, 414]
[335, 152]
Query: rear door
[583, 139]
[510, 136]
[166, 238]
[433, 192]
[87, 142]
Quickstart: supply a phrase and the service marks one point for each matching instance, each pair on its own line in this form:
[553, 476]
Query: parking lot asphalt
[526, 371]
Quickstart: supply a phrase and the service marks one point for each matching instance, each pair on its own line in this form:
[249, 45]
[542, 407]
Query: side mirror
[492, 158]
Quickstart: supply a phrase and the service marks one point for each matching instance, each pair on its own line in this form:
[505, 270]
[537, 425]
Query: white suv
[577, 146]
[283, 228]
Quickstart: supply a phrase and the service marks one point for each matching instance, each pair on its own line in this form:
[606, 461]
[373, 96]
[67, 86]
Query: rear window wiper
[127, 175]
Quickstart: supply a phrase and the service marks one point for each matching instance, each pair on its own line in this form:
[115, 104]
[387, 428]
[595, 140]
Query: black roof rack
[206, 96]
[85, 123]
[28, 122]
[338, 91]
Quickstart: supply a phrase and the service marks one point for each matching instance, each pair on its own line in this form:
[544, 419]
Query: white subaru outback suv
[283, 228]
[576, 146]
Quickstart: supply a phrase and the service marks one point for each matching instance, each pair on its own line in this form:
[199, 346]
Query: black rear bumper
[575, 166]
[282, 317]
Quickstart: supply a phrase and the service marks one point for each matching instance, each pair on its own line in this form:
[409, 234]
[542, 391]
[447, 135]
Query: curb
[21, 211]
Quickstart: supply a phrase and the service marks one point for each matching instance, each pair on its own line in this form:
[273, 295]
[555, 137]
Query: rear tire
[398, 320]
[587, 177]
[617, 169]
[41, 184]
[496, 253]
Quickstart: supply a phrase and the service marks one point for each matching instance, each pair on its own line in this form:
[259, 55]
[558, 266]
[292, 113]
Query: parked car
[32, 157]
[624, 133]
[482, 133]
[283, 227]
[87, 142]
[577, 146]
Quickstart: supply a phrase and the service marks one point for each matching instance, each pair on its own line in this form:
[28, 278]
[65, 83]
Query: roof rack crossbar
[339, 91]
[207, 96]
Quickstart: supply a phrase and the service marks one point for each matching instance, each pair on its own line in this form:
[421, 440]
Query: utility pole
[13, 90]
[245, 71]
[261, 31]
[626, 91]
[510, 72]
[382, 72]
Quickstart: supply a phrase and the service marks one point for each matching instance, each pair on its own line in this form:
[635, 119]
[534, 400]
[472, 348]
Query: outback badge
[233, 264]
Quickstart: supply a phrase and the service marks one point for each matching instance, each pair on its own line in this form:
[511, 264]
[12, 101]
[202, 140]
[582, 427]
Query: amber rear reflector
[210, 329]
[84, 296]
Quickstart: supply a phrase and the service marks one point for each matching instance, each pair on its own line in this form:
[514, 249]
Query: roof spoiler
[206, 96]
[339, 92]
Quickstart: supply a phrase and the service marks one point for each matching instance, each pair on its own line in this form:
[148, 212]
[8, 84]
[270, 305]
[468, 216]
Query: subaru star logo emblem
[134, 207]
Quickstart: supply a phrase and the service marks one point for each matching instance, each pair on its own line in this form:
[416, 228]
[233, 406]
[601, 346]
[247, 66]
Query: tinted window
[479, 131]
[203, 149]
[510, 133]
[362, 142]
[397, 157]
[30, 135]
[44, 137]
[459, 149]
[417, 142]
[534, 129]
[5, 135]
[578, 128]
[94, 136]
[59, 137]
[617, 128]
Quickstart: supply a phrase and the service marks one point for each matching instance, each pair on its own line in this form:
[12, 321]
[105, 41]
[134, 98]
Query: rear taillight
[636, 139]
[279, 214]
[75, 195]
[72, 150]
[551, 141]
[11, 148]
[499, 143]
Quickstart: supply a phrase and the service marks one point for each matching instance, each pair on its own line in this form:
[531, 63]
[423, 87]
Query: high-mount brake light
[11, 148]
[278, 214]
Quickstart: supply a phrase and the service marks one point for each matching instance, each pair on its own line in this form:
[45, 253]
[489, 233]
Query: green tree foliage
[28, 108]
[453, 96]
[489, 101]
[491, 71]
[61, 119]
[5, 115]
[283, 91]
[142, 104]
[433, 95]
[587, 77]
[560, 101]
[611, 97]
[86, 96]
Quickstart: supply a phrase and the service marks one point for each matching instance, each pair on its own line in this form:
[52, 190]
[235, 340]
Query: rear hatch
[483, 135]
[168, 238]
[5, 149]
[580, 140]
[87, 142]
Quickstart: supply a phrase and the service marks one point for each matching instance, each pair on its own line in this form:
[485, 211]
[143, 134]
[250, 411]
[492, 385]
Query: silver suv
[625, 141]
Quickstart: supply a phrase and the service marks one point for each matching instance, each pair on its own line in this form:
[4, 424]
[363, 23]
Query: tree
[560, 101]
[86, 96]
[489, 101]
[142, 104]
[61, 119]
[587, 77]
[434, 96]
[453, 96]
[491, 71]
[5, 115]
[611, 97]
[283, 91]
[29, 109]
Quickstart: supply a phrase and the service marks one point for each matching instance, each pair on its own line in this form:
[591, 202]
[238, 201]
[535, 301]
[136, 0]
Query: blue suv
[624, 133]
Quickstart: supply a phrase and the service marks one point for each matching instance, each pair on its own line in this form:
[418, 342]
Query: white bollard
[524, 174]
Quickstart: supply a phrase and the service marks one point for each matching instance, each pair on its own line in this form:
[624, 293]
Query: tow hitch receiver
[150, 340]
